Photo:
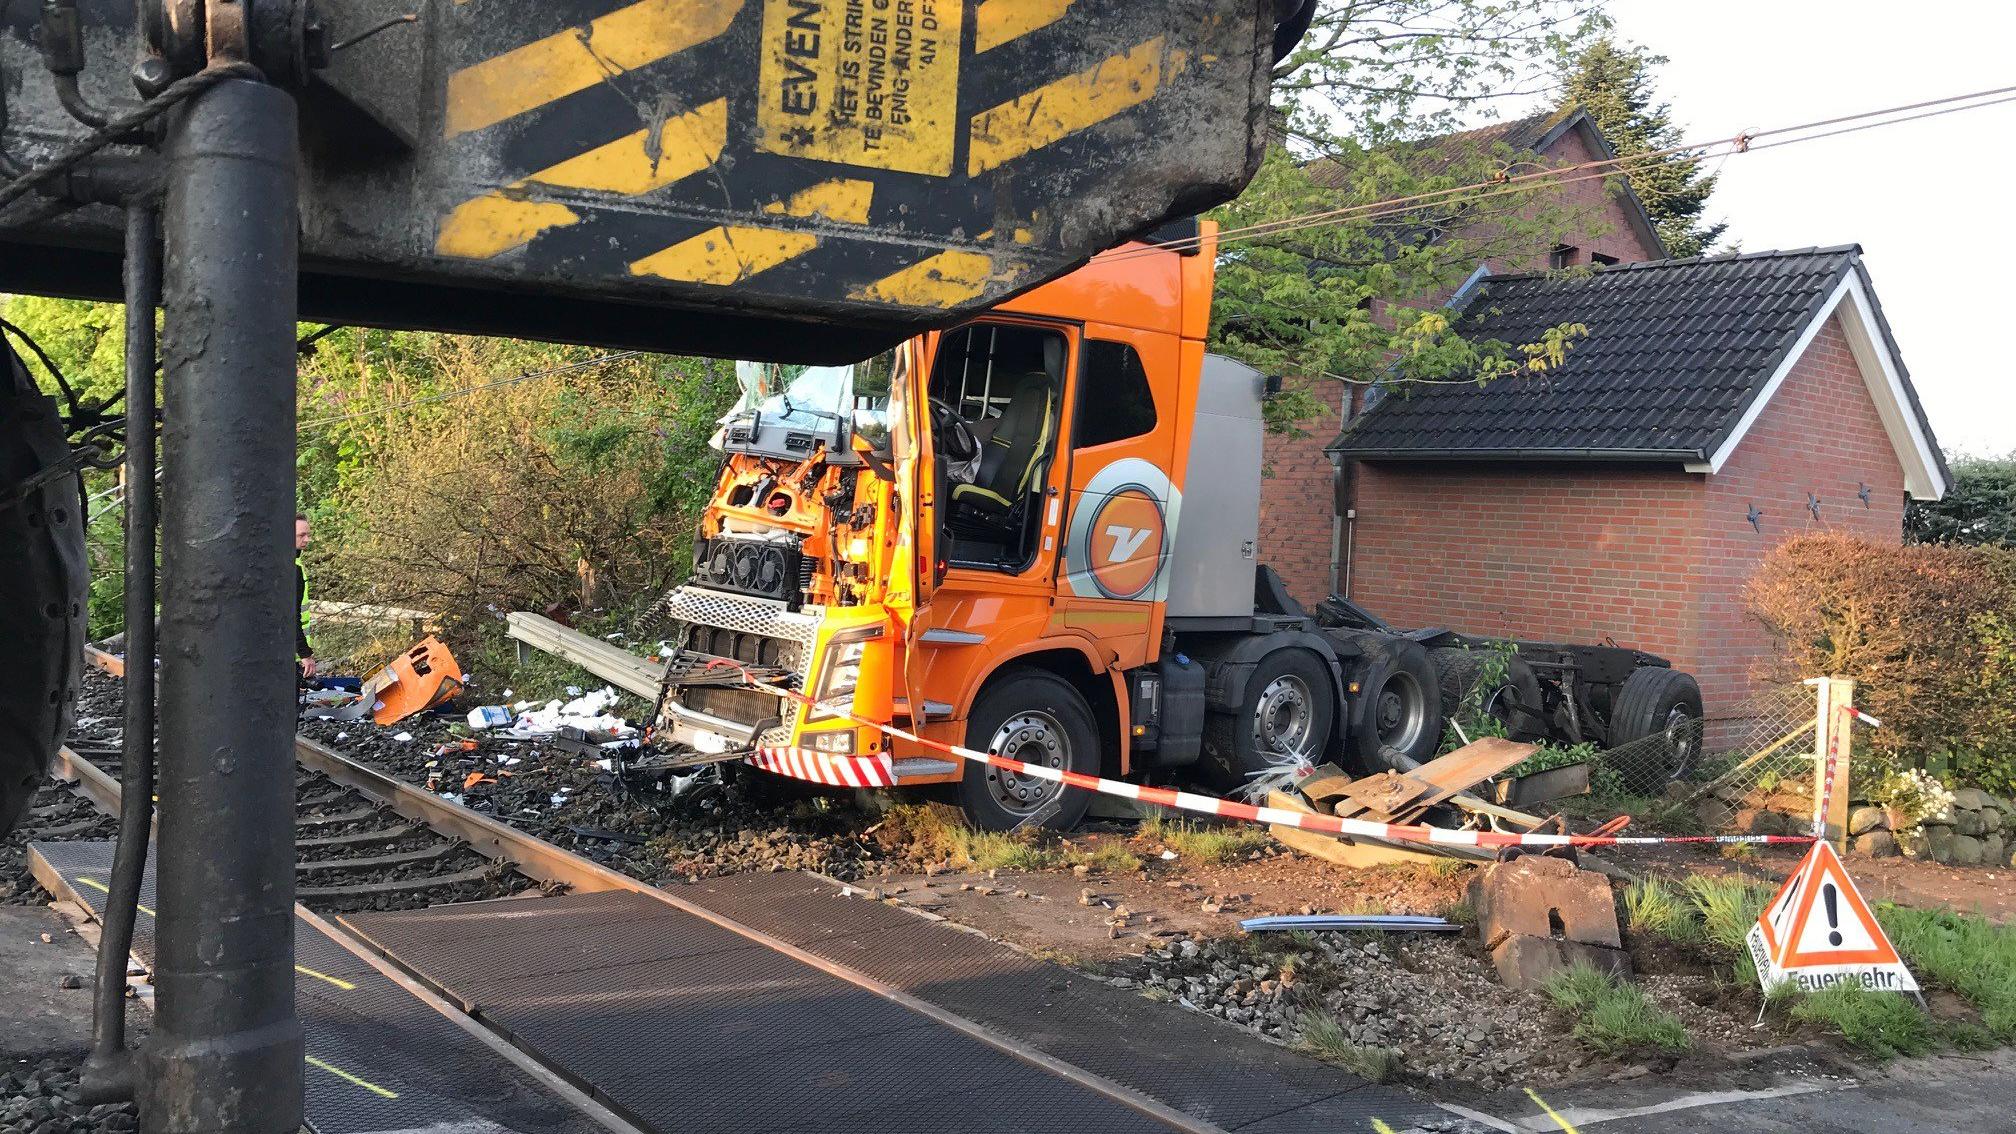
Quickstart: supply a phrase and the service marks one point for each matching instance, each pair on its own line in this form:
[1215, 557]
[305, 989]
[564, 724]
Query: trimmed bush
[1927, 632]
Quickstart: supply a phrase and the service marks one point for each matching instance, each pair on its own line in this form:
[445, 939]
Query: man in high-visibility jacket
[303, 649]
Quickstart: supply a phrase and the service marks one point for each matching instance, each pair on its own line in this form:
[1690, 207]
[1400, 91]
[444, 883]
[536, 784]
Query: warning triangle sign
[1817, 931]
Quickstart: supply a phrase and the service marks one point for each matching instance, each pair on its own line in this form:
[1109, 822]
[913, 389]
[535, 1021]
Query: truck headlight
[840, 670]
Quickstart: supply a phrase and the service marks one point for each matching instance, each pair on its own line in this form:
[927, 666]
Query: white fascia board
[1880, 375]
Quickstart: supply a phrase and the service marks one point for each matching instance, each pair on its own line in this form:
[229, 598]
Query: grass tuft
[1205, 844]
[1728, 907]
[1652, 906]
[1615, 1017]
[1969, 955]
[1881, 1024]
[1109, 858]
[1326, 1039]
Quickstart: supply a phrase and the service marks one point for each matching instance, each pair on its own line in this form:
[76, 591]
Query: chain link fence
[1746, 774]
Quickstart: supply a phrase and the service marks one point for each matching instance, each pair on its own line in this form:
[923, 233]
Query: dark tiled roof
[1676, 352]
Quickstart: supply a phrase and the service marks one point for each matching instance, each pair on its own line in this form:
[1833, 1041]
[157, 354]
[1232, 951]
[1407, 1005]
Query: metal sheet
[739, 1039]
[1211, 567]
[699, 173]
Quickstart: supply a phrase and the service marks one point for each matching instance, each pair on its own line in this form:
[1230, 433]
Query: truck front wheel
[1041, 720]
[1283, 721]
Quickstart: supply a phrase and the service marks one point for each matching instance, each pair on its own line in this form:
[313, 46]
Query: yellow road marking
[531, 76]
[351, 1079]
[729, 254]
[1070, 104]
[1558, 1120]
[635, 164]
[950, 277]
[995, 22]
[337, 981]
[104, 889]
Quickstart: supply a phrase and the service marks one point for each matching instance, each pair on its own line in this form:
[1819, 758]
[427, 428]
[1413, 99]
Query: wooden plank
[617, 666]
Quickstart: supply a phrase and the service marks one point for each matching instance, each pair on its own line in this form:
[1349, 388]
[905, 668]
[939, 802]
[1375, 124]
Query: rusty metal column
[226, 1050]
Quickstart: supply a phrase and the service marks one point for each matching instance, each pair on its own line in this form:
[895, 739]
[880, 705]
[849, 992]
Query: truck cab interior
[995, 390]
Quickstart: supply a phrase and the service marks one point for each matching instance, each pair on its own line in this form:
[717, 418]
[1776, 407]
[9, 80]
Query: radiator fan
[771, 571]
[748, 557]
[721, 562]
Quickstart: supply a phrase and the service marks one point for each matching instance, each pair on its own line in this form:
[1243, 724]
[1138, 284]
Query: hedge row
[1928, 632]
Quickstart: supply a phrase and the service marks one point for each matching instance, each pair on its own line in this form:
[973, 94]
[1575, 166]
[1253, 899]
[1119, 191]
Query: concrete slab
[42, 1016]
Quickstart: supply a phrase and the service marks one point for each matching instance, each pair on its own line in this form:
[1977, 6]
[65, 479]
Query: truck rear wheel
[1513, 701]
[1661, 708]
[1398, 706]
[1040, 719]
[1283, 721]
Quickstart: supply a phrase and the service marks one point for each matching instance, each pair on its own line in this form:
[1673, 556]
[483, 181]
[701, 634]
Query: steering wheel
[950, 432]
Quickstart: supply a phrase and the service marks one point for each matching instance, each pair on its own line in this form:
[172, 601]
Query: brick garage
[1717, 407]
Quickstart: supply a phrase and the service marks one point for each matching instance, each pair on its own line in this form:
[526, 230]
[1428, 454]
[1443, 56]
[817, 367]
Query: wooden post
[1833, 741]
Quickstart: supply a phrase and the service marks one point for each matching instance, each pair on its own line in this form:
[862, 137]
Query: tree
[1979, 506]
[1363, 109]
[1615, 84]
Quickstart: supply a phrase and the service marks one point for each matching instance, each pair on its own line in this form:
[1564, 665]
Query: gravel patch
[40, 1097]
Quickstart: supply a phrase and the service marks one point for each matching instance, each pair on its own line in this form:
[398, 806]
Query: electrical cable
[1581, 171]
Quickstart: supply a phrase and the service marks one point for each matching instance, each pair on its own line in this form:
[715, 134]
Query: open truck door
[915, 568]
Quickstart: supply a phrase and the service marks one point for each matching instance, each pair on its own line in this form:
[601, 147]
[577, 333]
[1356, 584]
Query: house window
[1600, 260]
[1563, 256]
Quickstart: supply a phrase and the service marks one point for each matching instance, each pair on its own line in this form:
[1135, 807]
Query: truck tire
[1038, 718]
[1515, 702]
[44, 574]
[1398, 704]
[1656, 702]
[1284, 720]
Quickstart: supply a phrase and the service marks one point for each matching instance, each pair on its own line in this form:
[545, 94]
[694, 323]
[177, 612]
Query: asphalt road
[1939, 1095]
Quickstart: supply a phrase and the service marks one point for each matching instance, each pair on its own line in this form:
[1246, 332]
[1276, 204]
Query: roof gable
[1681, 357]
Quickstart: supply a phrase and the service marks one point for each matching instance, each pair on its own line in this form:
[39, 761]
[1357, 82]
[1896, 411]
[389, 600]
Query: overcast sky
[1932, 203]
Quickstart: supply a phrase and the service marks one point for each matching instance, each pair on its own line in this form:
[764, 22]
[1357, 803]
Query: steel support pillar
[226, 1050]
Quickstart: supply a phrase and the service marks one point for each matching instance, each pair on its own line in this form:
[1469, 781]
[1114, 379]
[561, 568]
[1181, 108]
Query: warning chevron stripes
[1244, 812]
[671, 142]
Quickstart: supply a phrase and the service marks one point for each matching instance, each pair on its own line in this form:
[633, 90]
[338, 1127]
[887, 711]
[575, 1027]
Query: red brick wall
[1819, 435]
[1295, 499]
[1562, 553]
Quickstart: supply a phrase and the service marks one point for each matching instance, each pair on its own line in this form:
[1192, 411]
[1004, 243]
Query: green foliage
[1881, 1024]
[86, 340]
[1979, 506]
[1970, 955]
[1928, 632]
[1652, 906]
[1614, 83]
[1615, 1017]
[1325, 1038]
[1202, 843]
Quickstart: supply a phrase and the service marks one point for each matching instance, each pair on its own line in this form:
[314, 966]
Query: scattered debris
[1289, 923]
[1540, 915]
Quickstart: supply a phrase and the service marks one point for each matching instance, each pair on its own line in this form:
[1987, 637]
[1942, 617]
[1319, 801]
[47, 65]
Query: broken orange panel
[419, 679]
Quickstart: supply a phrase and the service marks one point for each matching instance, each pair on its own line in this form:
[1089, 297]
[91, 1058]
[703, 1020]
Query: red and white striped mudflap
[878, 770]
[1249, 813]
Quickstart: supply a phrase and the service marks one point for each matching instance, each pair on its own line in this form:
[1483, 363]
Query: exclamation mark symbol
[1833, 916]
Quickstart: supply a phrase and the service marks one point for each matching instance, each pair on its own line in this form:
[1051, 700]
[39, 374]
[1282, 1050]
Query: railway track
[364, 840]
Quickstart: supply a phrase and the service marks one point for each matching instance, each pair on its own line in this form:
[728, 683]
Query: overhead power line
[1746, 142]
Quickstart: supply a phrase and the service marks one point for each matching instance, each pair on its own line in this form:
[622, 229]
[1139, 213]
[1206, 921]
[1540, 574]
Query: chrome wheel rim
[1400, 712]
[1284, 732]
[1682, 731]
[1035, 737]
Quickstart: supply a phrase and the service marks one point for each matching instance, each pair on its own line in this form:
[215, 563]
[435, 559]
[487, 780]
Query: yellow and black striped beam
[896, 160]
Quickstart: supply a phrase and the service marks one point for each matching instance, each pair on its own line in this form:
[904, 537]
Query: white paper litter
[590, 713]
[1167, 855]
[403, 737]
[342, 736]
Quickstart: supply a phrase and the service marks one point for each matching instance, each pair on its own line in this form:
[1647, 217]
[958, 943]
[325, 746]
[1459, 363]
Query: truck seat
[1020, 442]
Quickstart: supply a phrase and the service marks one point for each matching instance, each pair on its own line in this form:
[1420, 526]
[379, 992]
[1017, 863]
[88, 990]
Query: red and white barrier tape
[1250, 813]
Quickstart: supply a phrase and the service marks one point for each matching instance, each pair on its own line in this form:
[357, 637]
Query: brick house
[1596, 222]
[1718, 406]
